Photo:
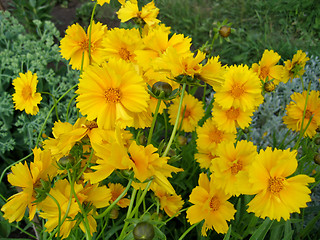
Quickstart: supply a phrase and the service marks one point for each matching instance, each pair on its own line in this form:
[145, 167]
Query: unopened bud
[316, 159]
[143, 231]
[160, 87]
[225, 31]
[269, 86]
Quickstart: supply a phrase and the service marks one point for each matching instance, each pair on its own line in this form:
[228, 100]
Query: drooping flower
[229, 119]
[147, 15]
[28, 179]
[295, 109]
[295, 68]
[170, 203]
[230, 167]
[122, 43]
[75, 45]
[277, 194]
[111, 93]
[210, 205]
[25, 97]
[267, 67]
[241, 89]
[190, 113]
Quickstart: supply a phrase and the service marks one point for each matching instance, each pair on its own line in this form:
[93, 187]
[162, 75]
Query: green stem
[115, 202]
[154, 121]
[69, 104]
[49, 113]
[59, 210]
[90, 29]
[24, 231]
[176, 122]
[84, 214]
[188, 230]
[54, 101]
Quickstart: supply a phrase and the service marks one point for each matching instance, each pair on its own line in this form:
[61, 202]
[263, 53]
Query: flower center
[124, 54]
[233, 113]
[275, 184]
[187, 113]
[264, 72]
[26, 92]
[91, 124]
[236, 167]
[215, 136]
[214, 203]
[308, 114]
[237, 90]
[84, 45]
[112, 95]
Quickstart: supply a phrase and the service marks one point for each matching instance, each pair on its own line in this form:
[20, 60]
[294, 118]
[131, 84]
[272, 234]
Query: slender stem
[176, 122]
[188, 230]
[24, 231]
[90, 29]
[54, 101]
[114, 202]
[69, 104]
[154, 121]
[59, 212]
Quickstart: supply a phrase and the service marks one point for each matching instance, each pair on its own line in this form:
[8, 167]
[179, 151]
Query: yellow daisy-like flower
[122, 44]
[277, 195]
[75, 45]
[101, 2]
[296, 66]
[295, 110]
[147, 15]
[241, 89]
[210, 136]
[212, 72]
[28, 179]
[230, 168]
[210, 205]
[148, 164]
[267, 67]
[25, 97]
[116, 190]
[190, 114]
[111, 93]
[170, 203]
[204, 157]
[229, 119]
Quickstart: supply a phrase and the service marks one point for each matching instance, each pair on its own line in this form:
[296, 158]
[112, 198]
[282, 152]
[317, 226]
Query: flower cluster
[82, 167]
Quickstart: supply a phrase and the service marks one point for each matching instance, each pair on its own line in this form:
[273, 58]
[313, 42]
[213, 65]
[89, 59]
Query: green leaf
[5, 228]
[227, 236]
[261, 232]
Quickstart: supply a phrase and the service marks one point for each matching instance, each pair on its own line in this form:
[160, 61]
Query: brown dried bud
[225, 31]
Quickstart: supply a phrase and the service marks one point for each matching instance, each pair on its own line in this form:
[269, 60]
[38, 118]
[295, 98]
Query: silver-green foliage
[20, 52]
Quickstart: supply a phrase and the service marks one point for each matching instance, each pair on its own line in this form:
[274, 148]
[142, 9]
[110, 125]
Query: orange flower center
[237, 90]
[214, 203]
[112, 95]
[84, 45]
[233, 113]
[275, 185]
[308, 114]
[91, 124]
[124, 54]
[264, 72]
[187, 113]
[26, 92]
[236, 167]
[215, 136]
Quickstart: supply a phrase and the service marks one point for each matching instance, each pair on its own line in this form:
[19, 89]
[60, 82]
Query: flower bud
[66, 161]
[160, 87]
[316, 159]
[225, 31]
[269, 86]
[143, 231]
[316, 140]
[114, 213]
[182, 140]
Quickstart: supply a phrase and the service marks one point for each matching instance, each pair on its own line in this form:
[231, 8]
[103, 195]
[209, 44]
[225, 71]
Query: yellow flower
[205, 156]
[148, 164]
[230, 167]
[295, 110]
[75, 44]
[210, 204]
[116, 190]
[25, 97]
[190, 114]
[210, 136]
[122, 44]
[111, 93]
[147, 15]
[241, 89]
[28, 180]
[170, 203]
[277, 195]
[61, 192]
[212, 72]
[267, 67]
[295, 68]
[229, 119]
[101, 2]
